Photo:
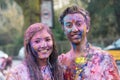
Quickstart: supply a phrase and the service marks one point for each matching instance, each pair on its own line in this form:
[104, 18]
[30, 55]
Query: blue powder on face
[74, 46]
[33, 50]
[67, 31]
[80, 34]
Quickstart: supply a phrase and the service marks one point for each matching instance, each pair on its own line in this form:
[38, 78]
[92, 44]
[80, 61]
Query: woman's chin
[44, 57]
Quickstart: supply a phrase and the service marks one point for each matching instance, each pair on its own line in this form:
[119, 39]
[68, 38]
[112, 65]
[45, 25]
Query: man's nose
[74, 28]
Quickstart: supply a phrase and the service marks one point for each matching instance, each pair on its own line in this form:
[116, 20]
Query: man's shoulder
[102, 55]
[95, 48]
[63, 58]
[98, 51]
[64, 54]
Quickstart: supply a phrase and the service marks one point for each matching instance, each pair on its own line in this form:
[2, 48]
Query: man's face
[75, 27]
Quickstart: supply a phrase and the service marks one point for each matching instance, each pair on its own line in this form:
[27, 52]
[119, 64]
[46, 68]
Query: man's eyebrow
[80, 19]
[67, 22]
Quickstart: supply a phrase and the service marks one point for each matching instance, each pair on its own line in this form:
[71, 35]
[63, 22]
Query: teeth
[44, 51]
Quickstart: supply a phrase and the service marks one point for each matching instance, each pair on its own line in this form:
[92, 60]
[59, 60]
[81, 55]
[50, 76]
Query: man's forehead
[76, 16]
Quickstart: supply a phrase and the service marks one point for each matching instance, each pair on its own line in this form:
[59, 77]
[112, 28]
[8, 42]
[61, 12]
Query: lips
[44, 51]
[75, 36]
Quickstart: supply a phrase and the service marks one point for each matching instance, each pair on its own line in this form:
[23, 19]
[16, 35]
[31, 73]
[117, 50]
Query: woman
[40, 56]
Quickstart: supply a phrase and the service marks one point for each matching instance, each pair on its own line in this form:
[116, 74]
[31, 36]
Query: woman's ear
[87, 29]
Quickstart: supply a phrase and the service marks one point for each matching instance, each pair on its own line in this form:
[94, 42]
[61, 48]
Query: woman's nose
[43, 44]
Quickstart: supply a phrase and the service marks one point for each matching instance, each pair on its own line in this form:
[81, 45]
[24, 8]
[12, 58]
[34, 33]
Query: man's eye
[69, 25]
[78, 23]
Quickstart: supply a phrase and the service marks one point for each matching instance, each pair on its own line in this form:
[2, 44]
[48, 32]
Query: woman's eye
[37, 41]
[48, 39]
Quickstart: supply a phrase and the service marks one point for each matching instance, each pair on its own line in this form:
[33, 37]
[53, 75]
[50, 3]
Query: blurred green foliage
[31, 11]
[105, 21]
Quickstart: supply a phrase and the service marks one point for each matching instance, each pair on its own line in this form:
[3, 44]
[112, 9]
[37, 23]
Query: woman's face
[42, 43]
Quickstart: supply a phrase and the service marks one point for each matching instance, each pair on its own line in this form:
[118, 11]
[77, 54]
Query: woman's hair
[75, 9]
[31, 59]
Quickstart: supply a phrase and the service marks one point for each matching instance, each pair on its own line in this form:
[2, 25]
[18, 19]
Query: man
[84, 61]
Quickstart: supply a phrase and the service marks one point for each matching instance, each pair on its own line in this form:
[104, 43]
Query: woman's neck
[43, 62]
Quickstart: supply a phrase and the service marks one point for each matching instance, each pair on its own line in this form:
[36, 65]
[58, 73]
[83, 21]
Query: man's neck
[79, 48]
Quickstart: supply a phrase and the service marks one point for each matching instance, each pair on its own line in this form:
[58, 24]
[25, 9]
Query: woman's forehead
[41, 34]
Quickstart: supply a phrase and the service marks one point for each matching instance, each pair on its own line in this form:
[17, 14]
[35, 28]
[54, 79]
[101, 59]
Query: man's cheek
[67, 31]
[80, 34]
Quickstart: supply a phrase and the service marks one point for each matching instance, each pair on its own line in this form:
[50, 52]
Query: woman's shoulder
[18, 68]
[17, 72]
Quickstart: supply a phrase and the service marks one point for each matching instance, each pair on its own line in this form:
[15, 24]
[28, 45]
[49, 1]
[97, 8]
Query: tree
[31, 11]
[103, 20]
[10, 23]
[116, 5]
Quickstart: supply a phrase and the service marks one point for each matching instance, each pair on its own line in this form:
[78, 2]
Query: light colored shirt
[20, 72]
[98, 65]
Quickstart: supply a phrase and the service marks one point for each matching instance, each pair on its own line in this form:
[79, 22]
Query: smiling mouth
[43, 51]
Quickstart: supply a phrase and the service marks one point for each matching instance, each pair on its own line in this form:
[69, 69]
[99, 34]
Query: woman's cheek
[35, 47]
[50, 44]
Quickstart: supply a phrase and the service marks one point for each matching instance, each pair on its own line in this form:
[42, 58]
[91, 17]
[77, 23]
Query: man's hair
[75, 9]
